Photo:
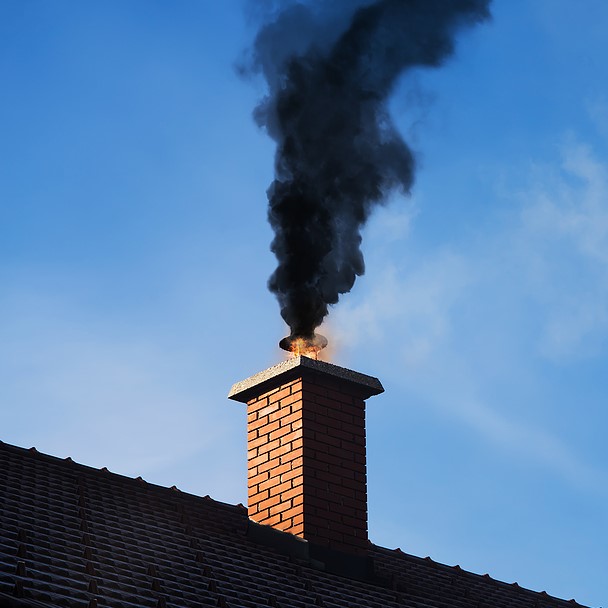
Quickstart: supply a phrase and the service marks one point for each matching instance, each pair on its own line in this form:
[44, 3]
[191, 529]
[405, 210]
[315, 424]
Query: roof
[71, 535]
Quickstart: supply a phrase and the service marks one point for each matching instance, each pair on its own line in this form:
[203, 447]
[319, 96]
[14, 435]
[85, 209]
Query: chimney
[306, 451]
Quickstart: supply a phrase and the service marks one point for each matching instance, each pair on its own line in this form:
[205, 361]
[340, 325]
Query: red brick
[352, 502]
[337, 413]
[269, 503]
[339, 396]
[254, 462]
[314, 504]
[351, 448]
[292, 398]
[257, 479]
[313, 389]
[316, 427]
[297, 517]
[345, 436]
[355, 524]
[330, 460]
[268, 466]
[284, 526]
[312, 410]
[281, 488]
[308, 433]
[279, 507]
[280, 432]
[287, 468]
[269, 483]
[273, 520]
[280, 414]
[316, 464]
[259, 516]
[298, 442]
[257, 442]
[293, 475]
[284, 392]
[314, 486]
[318, 522]
[268, 445]
[295, 454]
[256, 405]
[355, 429]
[332, 478]
[347, 456]
[355, 484]
[291, 493]
[269, 409]
[258, 497]
[265, 427]
[259, 424]
[294, 515]
[282, 449]
[341, 529]
[269, 393]
[297, 425]
[296, 529]
[329, 439]
[290, 418]
[343, 491]
[315, 450]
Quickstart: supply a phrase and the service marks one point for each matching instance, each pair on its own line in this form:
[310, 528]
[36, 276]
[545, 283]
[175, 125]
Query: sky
[134, 256]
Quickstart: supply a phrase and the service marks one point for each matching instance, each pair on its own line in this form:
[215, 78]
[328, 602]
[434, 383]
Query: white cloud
[565, 234]
[447, 324]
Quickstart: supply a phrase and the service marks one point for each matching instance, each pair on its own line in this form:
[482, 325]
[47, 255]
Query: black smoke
[330, 68]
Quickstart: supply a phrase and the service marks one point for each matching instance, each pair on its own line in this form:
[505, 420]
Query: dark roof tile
[71, 535]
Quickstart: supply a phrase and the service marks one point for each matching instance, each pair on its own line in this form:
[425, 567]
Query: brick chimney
[306, 451]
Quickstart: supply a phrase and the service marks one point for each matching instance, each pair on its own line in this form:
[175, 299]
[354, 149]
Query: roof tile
[71, 535]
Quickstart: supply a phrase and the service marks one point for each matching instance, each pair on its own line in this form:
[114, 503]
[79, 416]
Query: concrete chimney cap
[246, 389]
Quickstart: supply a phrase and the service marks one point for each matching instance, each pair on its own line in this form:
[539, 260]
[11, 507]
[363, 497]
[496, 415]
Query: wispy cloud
[501, 429]
[533, 289]
[410, 311]
[564, 231]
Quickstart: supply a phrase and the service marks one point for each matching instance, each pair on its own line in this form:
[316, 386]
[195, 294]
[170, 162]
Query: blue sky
[134, 255]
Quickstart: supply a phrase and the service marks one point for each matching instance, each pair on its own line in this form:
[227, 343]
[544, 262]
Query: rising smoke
[330, 67]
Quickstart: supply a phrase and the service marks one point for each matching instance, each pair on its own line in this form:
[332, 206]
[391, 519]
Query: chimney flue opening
[306, 346]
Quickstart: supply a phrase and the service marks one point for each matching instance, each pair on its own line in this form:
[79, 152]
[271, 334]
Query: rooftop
[71, 535]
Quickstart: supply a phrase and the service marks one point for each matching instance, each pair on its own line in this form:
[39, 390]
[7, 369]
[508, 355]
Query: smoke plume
[330, 68]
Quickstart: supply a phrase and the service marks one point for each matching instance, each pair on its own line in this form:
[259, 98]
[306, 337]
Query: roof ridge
[136, 481]
[462, 572]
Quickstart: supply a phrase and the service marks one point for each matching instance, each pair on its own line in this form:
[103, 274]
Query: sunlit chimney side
[306, 455]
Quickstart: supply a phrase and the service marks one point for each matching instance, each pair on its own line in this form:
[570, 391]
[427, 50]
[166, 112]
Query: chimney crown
[296, 366]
